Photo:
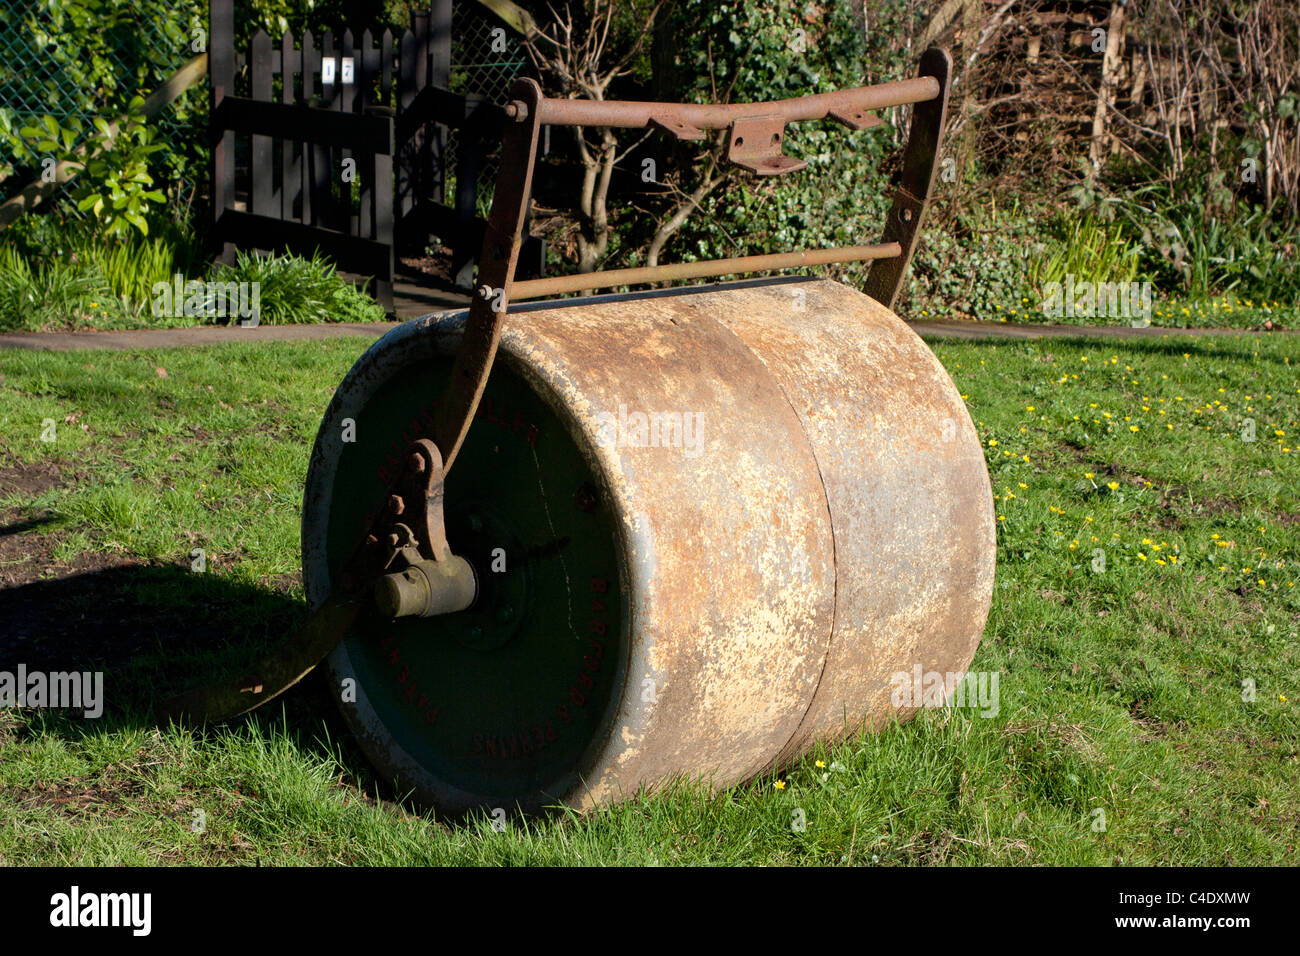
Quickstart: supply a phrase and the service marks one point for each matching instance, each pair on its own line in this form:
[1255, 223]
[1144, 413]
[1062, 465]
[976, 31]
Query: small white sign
[347, 68]
[327, 70]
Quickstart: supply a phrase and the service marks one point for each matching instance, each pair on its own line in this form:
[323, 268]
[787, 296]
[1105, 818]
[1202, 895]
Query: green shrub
[1201, 255]
[132, 267]
[1088, 249]
[297, 290]
[54, 295]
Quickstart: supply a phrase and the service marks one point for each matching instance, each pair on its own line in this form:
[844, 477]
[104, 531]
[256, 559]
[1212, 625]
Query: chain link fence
[77, 61]
[486, 57]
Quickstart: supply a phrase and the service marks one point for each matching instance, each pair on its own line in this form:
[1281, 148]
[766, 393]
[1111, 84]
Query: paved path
[200, 335]
[210, 335]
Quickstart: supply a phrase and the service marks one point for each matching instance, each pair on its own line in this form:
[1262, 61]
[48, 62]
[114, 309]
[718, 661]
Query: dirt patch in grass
[55, 613]
[30, 480]
[27, 555]
[113, 795]
[1174, 508]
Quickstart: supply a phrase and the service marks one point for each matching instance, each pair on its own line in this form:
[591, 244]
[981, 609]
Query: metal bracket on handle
[754, 143]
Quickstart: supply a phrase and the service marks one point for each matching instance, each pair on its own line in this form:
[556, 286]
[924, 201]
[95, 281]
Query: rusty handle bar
[622, 113]
[757, 132]
[555, 285]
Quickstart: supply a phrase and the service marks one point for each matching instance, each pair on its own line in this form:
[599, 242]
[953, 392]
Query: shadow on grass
[23, 526]
[154, 631]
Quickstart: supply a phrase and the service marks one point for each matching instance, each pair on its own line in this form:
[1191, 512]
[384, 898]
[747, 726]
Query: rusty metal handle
[756, 132]
[700, 116]
[556, 285]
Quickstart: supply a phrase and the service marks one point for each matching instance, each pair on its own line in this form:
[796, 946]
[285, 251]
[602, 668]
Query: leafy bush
[131, 268]
[759, 51]
[1199, 255]
[973, 260]
[114, 183]
[298, 290]
[53, 295]
[1088, 249]
[57, 279]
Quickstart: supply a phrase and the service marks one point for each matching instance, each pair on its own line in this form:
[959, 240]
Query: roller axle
[427, 588]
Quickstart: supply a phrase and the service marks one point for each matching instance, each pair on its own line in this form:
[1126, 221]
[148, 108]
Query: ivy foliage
[753, 51]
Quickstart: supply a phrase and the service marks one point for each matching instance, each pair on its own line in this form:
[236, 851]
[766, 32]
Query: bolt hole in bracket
[416, 573]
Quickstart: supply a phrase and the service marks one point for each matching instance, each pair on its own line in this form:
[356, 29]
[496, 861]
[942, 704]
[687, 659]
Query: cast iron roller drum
[706, 528]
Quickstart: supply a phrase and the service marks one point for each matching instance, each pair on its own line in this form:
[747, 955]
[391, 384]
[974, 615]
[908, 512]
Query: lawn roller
[687, 531]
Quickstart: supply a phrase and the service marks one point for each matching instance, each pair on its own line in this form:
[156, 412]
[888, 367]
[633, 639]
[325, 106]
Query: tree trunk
[1099, 146]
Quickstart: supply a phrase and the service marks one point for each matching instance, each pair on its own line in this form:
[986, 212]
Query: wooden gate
[341, 146]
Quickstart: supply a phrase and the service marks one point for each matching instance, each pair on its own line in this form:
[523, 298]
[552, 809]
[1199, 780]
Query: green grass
[1121, 690]
[1220, 312]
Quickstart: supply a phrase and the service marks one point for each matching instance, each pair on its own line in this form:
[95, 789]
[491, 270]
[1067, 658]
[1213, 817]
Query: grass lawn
[1146, 581]
[1223, 312]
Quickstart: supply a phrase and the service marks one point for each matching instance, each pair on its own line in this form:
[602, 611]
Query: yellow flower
[820, 763]
[1087, 474]
[1132, 428]
[1112, 485]
[1141, 556]
[780, 784]
[1023, 485]
[993, 442]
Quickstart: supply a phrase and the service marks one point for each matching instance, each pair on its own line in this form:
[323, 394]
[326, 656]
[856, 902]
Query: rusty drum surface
[709, 526]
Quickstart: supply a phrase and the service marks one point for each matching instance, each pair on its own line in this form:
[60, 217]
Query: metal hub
[486, 538]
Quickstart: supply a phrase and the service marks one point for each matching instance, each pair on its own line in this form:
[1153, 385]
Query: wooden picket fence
[346, 146]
